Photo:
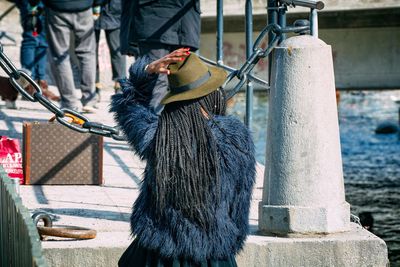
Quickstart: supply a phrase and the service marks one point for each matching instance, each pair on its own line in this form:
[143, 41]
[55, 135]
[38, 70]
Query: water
[371, 162]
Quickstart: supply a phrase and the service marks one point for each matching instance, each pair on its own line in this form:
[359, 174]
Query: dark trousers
[156, 51]
[118, 61]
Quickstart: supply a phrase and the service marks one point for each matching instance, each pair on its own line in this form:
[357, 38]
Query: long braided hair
[186, 160]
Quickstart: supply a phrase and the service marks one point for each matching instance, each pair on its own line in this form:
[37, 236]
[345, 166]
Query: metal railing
[276, 30]
[19, 240]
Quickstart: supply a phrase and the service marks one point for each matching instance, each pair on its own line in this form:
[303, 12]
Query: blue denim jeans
[33, 54]
[33, 48]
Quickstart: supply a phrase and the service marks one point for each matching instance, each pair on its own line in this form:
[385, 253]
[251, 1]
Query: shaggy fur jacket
[178, 236]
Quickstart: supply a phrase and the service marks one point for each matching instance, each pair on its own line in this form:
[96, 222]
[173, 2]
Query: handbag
[54, 154]
[11, 158]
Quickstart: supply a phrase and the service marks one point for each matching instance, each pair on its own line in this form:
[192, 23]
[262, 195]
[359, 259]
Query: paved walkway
[103, 208]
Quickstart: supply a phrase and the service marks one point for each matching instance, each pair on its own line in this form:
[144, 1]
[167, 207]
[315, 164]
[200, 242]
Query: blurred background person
[63, 19]
[157, 28]
[33, 54]
[109, 20]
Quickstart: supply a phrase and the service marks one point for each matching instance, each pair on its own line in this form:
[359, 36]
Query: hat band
[197, 83]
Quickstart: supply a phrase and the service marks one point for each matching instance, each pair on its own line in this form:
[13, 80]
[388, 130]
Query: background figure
[34, 44]
[64, 18]
[159, 28]
[110, 21]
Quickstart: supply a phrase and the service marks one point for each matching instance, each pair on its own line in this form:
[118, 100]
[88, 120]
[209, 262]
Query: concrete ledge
[105, 250]
[297, 219]
[357, 247]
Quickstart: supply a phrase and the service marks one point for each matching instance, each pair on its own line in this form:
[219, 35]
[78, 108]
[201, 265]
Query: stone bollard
[303, 183]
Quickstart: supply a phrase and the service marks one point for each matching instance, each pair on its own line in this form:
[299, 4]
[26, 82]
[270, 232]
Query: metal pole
[282, 22]
[272, 18]
[249, 51]
[220, 31]
[314, 22]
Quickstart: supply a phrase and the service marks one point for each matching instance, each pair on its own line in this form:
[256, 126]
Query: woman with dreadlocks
[194, 200]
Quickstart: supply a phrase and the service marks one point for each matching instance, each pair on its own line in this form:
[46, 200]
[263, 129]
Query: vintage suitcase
[54, 154]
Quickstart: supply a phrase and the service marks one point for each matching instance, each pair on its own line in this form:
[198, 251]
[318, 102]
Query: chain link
[244, 73]
[67, 117]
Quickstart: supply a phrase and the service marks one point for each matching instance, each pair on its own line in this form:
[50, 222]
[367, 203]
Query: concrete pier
[303, 187]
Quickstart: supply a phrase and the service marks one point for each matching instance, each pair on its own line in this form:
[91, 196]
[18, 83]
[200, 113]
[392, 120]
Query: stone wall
[237, 7]
[364, 58]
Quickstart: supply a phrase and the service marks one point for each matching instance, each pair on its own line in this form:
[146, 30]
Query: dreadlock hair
[186, 160]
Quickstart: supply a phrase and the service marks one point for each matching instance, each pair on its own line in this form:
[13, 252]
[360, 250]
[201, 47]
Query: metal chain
[20, 80]
[244, 73]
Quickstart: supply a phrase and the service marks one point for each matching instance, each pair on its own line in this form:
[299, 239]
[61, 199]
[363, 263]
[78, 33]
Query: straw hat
[191, 79]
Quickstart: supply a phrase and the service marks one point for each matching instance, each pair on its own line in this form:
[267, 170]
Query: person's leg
[156, 51]
[58, 30]
[41, 64]
[85, 50]
[118, 61]
[97, 35]
[28, 50]
[41, 54]
[98, 85]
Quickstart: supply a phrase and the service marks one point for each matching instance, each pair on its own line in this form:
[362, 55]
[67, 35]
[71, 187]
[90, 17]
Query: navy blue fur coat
[179, 237]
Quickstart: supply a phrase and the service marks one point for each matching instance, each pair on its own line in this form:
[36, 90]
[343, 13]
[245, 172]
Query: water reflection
[371, 162]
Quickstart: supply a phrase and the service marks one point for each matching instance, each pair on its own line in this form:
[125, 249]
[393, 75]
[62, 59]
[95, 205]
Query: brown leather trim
[26, 157]
[101, 148]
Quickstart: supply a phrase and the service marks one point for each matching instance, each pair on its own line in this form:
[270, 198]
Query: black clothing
[168, 22]
[137, 255]
[71, 5]
[118, 62]
[110, 16]
[127, 29]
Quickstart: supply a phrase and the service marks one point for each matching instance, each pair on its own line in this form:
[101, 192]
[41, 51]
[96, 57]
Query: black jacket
[173, 22]
[71, 5]
[110, 16]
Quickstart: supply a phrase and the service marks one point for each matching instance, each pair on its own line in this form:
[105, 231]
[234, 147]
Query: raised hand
[161, 65]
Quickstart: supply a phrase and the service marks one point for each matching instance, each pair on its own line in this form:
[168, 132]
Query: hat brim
[218, 77]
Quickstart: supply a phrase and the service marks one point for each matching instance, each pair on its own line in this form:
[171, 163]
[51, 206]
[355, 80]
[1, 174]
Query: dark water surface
[371, 162]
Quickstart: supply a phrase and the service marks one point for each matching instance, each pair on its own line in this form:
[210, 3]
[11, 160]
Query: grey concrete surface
[355, 248]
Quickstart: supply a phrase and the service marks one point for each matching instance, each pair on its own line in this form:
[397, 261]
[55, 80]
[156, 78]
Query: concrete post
[303, 183]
